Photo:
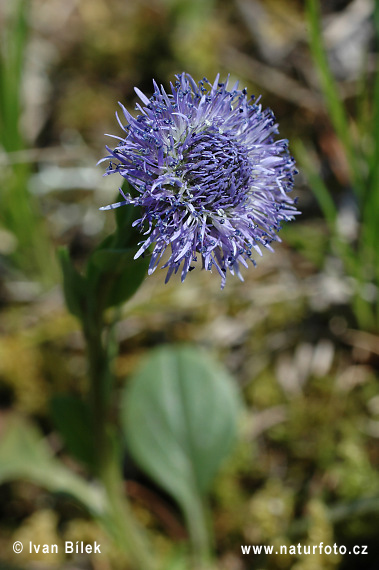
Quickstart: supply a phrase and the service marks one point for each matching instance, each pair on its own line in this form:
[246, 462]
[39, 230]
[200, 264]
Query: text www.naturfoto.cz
[304, 549]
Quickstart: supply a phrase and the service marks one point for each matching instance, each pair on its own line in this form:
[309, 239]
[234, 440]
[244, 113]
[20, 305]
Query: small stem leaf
[117, 274]
[74, 285]
[72, 418]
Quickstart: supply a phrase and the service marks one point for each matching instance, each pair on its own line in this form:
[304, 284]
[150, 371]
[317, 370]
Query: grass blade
[331, 94]
[319, 189]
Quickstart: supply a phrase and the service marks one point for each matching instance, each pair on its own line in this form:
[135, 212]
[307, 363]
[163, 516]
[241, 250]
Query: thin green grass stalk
[374, 162]
[11, 67]
[19, 212]
[363, 119]
[326, 203]
[362, 261]
[369, 239]
[321, 192]
[332, 97]
[354, 263]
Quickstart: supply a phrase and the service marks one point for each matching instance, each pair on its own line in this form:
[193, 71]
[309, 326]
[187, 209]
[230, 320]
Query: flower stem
[126, 532]
[118, 520]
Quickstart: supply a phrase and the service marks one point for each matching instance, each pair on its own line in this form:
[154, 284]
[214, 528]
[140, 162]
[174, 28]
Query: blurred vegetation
[358, 142]
[300, 335]
[26, 240]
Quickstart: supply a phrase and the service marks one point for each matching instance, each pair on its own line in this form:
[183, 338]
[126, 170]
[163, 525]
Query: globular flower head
[211, 179]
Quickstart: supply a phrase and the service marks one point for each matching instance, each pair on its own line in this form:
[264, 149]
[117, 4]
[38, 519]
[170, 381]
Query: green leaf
[114, 260]
[112, 272]
[120, 275]
[179, 415]
[24, 454]
[74, 285]
[71, 417]
[126, 234]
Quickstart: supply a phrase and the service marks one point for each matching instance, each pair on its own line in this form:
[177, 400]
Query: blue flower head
[211, 179]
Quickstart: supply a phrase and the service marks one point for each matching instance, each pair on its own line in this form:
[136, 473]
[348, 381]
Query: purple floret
[211, 180]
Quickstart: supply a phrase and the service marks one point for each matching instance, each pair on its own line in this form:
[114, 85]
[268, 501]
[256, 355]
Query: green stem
[126, 533]
[119, 519]
[98, 372]
[198, 528]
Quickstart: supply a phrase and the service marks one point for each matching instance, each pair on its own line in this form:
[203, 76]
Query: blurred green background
[299, 335]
